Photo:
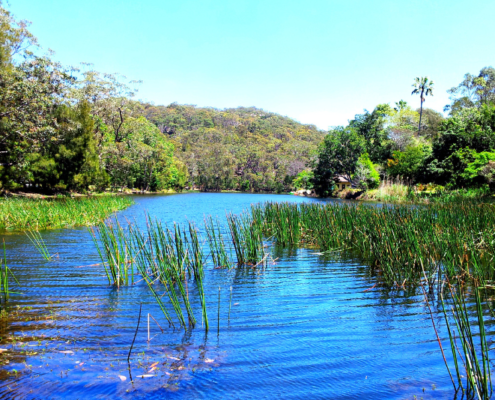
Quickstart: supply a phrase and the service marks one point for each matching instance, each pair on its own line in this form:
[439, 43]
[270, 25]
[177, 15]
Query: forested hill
[65, 129]
[238, 148]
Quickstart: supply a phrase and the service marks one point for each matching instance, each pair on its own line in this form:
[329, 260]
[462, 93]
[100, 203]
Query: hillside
[239, 148]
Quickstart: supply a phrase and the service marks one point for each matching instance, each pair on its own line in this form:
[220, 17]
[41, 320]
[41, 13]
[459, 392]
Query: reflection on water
[306, 325]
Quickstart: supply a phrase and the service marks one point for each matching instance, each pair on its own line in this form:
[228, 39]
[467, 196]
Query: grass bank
[24, 213]
[392, 192]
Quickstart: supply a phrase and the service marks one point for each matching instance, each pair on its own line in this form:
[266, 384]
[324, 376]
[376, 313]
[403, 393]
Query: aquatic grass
[5, 272]
[216, 242]
[38, 242]
[115, 250]
[470, 357]
[402, 243]
[247, 238]
[34, 214]
[172, 257]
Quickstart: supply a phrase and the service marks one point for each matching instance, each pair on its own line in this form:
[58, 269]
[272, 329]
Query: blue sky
[317, 61]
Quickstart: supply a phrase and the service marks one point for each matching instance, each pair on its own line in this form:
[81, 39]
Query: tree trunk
[420, 112]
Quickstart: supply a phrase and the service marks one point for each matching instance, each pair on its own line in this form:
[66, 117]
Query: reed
[247, 238]
[216, 242]
[115, 250]
[32, 214]
[38, 242]
[5, 272]
[399, 242]
[172, 257]
[469, 356]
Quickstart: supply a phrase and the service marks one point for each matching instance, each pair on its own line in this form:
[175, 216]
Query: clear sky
[317, 61]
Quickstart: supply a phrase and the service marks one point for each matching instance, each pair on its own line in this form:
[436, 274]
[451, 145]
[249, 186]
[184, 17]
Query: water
[304, 326]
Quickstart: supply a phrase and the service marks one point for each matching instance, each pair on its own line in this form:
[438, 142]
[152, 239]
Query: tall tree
[338, 155]
[473, 91]
[424, 87]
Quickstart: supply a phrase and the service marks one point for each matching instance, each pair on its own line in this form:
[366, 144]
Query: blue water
[304, 326]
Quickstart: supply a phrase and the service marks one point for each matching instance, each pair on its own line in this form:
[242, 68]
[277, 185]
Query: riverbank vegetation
[33, 214]
[431, 153]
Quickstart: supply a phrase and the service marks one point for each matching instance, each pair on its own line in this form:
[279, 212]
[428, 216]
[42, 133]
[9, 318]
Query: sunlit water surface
[305, 326]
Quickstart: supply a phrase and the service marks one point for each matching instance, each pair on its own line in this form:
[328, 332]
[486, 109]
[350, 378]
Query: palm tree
[424, 87]
[400, 105]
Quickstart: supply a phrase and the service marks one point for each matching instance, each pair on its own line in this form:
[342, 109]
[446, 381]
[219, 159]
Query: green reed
[470, 357]
[216, 242]
[39, 243]
[401, 243]
[5, 271]
[31, 214]
[247, 238]
[172, 257]
[115, 250]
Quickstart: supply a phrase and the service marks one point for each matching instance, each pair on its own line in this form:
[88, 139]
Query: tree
[482, 166]
[371, 126]
[432, 121]
[400, 105]
[407, 163]
[304, 180]
[424, 87]
[473, 91]
[337, 155]
[401, 124]
[470, 131]
[366, 175]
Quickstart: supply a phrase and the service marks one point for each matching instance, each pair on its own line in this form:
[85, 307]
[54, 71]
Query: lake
[305, 325]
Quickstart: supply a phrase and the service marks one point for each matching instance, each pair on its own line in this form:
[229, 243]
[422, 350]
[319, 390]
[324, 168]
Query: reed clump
[173, 258]
[33, 214]
[5, 273]
[402, 243]
[246, 232]
[39, 243]
[218, 249]
[468, 341]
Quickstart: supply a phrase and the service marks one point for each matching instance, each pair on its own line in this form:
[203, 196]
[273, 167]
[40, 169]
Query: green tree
[424, 87]
[337, 155]
[304, 180]
[401, 124]
[407, 163]
[431, 123]
[470, 130]
[482, 166]
[474, 90]
[366, 175]
[371, 126]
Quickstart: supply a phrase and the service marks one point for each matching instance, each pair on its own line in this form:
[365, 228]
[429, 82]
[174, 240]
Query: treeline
[416, 146]
[75, 129]
[67, 129]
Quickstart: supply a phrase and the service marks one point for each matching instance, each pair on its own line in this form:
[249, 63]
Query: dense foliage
[243, 148]
[417, 146]
[66, 129]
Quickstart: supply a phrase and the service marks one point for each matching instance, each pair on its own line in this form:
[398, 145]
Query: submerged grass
[32, 214]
